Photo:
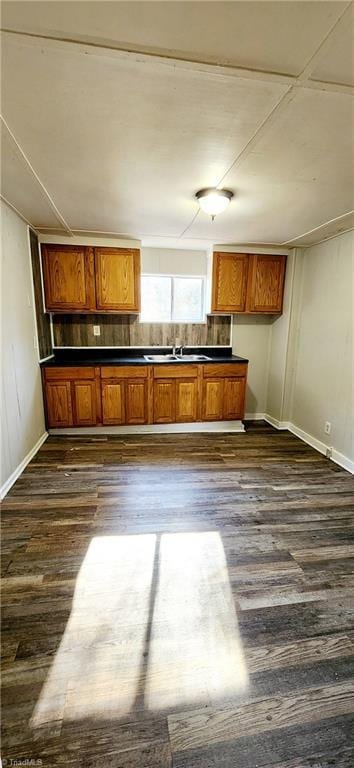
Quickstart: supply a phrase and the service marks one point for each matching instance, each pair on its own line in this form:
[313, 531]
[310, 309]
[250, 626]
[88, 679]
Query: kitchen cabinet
[86, 279]
[71, 396]
[124, 395]
[59, 404]
[68, 274]
[229, 282]
[117, 272]
[113, 395]
[247, 283]
[175, 393]
[223, 391]
[266, 283]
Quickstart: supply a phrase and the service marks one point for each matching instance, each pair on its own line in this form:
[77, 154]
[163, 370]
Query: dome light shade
[214, 201]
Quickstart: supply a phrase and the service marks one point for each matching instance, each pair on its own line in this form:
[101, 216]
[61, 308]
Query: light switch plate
[96, 330]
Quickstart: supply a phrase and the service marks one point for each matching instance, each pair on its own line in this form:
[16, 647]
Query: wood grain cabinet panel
[229, 282]
[113, 402]
[68, 273]
[135, 402]
[266, 283]
[164, 396]
[84, 403]
[117, 279]
[234, 398]
[186, 400]
[252, 283]
[212, 399]
[58, 404]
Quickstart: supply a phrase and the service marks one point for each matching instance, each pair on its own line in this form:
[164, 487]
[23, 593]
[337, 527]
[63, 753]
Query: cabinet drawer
[178, 371]
[224, 370]
[124, 372]
[68, 373]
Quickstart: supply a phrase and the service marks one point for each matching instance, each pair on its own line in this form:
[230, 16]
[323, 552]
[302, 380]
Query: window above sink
[172, 299]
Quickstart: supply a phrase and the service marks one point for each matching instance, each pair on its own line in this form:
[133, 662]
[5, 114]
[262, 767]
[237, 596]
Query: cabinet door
[164, 401]
[212, 400]
[234, 398]
[112, 402]
[117, 279]
[135, 402]
[58, 401]
[84, 403]
[229, 282]
[186, 400]
[68, 273]
[266, 283]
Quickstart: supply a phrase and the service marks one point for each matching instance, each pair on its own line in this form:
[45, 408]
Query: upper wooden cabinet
[266, 283]
[250, 283]
[229, 283]
[117, 279]
[68, 273]
[85, 279]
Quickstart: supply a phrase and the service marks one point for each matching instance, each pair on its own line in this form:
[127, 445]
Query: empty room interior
[177, 384]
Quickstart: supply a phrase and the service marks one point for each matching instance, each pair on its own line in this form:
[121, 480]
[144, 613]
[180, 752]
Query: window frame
[172, 277]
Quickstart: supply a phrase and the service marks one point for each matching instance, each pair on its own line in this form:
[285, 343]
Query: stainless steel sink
[176, 358]
[194, 358]
[161, 358]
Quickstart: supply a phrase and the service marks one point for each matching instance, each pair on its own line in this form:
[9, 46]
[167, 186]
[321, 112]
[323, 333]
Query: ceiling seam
[32, 170]
[285, 99]
[325, 224]
[221, 70]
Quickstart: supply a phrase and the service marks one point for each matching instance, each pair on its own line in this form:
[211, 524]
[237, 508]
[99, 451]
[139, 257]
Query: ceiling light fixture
[214, 201]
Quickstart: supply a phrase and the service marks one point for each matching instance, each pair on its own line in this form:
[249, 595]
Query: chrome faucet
[181, 348]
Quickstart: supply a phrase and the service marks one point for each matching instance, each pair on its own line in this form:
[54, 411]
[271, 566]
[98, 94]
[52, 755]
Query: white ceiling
[115, 114]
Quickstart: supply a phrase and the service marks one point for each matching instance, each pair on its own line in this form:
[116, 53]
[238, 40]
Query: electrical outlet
[96, 330]
[327, 427]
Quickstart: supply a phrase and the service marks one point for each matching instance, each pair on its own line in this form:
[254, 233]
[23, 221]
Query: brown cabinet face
[229, 283]
[186, 400]
[234, 398]
[68, 278]
[212, 399]
[112, 402]
[117, 279]
[164, 401]
[266, 284]
[135, 402]
[84, 403]
[58, 401]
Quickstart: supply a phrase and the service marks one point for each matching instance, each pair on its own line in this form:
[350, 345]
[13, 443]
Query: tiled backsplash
[127, 331]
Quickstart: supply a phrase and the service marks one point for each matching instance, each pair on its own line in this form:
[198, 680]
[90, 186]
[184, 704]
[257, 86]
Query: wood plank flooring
[179, 601]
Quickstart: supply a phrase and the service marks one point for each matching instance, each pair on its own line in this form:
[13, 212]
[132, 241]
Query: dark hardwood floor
[179, 600]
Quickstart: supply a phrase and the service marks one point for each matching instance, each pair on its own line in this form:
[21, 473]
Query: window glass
[156, 299]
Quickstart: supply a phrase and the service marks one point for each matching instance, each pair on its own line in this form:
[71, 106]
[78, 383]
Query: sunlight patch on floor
[153, 626]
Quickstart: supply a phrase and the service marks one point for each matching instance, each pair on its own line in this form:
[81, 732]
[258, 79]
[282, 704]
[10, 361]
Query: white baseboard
[343, 461]
[276, 423]
[255, 416]
[149, 429]
[18, 471]
[318, 445]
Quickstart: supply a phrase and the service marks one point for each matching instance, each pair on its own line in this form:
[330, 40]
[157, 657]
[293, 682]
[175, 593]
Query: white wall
[173, 261]
[251, 337]
[22, 418]
[323, 377]
[317, 384]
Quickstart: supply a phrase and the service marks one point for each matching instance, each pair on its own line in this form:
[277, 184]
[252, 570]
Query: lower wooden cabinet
[71, 397]
[112, 402]
[59, 404]
[116, 395]
[124, 401]
[186, 400]
[212, 399]
[223, 391]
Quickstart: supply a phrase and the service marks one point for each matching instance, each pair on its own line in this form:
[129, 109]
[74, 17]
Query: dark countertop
[135, 356]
